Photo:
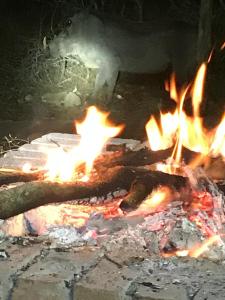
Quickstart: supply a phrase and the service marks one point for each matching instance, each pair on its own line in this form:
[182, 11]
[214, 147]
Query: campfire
[168, 190]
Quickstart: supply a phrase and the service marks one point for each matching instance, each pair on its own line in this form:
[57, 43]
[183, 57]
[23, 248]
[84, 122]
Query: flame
[27, 168]
[162, 137]
[181, 130]
[218, 145]
[158, 198]
[95, 131]
[223, 46]
[197, 250]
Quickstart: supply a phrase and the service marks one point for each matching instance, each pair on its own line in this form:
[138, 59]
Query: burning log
[30, 195]
[141, 157]
[133, 158]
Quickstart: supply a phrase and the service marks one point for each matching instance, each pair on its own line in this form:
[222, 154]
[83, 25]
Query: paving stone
[53, 276]
[105, 282]
[19, 257]
[167, 293]
[212, 291]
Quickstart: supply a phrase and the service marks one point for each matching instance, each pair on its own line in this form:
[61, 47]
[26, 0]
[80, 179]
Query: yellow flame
[27, 168]
[95, 131]
[158, 196]
[218, 144]
[162, 137]
[197, 251]
[180, 130]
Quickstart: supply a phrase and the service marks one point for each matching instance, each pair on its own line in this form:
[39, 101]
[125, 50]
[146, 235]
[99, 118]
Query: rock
[71, 100]
[65, 99]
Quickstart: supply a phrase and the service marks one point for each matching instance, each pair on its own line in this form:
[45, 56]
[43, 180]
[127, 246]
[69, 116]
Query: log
[8, 176]
[30, 195]
[139, 158]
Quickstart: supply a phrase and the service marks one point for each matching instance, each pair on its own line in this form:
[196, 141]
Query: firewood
[139, 158]
[11, 176]
[30, 195]
[137, 194]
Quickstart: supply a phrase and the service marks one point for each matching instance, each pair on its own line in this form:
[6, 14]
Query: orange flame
[218, 145]
[223, 46]
[95, 131]
[180, 130]
[197, 250]
[157, 197]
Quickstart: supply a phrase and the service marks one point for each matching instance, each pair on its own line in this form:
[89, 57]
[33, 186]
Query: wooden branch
[139, 158]
[30, 195]
[7, 176]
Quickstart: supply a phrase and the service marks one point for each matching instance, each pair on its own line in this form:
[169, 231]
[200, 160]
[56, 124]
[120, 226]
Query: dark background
[24, 24]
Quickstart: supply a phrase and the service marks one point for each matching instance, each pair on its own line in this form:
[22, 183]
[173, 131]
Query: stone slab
[52, 278]
[106, 282]
[35, 153]
[19, 258]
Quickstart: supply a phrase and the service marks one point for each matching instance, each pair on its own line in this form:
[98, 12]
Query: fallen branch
[30, 195]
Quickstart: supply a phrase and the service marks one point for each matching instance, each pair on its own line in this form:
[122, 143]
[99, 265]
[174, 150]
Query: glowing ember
[95, 131]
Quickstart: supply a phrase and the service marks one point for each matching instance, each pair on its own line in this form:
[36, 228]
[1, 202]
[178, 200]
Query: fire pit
[127, 200]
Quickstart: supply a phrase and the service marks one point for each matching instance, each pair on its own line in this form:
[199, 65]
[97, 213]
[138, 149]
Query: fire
[95, 131]
[156, 201]
[157, 198]
[197, 250]
[162, 137]
[27, 168]
[223, 46]
[218, 145]
[180, 130]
